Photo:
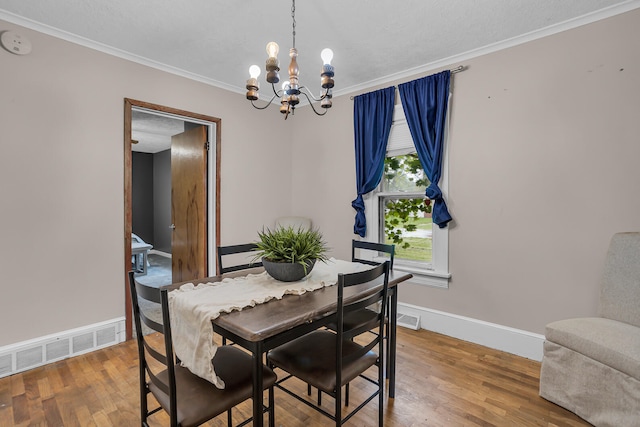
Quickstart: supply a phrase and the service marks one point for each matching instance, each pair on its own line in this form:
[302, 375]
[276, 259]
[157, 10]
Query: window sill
[423, 276]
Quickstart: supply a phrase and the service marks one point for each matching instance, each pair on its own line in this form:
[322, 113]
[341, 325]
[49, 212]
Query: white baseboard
[41, 351]
[30, 354]
[157, 252]
[499, 337]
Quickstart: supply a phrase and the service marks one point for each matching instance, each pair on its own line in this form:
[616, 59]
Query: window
[403, 212]
[397, 212]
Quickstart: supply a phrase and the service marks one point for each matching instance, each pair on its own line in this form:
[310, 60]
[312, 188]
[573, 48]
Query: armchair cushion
[607, 341]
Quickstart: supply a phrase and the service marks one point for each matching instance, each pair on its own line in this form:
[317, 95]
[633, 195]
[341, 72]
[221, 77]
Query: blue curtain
[425, 107]
[372, 114]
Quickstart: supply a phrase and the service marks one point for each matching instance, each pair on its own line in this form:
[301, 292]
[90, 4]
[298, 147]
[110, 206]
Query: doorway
[194, 189]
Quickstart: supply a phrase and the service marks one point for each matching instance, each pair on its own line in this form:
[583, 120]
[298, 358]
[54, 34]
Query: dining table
[263, 327]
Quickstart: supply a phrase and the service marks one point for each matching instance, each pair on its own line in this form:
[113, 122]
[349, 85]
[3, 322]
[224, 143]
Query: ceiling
[217, 40]
[151, 133]
[374, 41]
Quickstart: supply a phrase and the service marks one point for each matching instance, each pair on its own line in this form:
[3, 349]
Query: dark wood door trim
[128, 105]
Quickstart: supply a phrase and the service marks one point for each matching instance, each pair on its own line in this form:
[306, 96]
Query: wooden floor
[441, 382]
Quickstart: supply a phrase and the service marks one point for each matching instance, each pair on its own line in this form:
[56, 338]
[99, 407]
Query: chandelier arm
[311, 104]
[275, 92]
[309, 94]
[262, 108]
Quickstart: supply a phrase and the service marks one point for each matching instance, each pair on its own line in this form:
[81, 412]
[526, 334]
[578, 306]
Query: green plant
[285, 244]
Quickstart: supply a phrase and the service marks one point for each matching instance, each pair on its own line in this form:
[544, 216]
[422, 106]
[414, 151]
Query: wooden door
[189, 204]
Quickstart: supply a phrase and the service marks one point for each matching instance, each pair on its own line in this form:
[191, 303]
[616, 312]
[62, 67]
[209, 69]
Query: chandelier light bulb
[254, 71]
[327, 56]
[272, 49]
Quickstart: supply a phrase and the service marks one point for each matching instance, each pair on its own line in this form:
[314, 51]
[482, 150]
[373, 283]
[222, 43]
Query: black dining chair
[236, 252]
[228, 251]
[188, 399]
[360, 317]
[359, 247]
[329, 360]
[357, 318]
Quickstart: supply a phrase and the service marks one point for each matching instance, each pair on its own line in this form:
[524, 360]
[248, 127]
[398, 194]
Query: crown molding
[423, 69]
[91, 44]
[455, 60]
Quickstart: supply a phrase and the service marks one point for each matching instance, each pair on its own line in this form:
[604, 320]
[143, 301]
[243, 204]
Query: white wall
[62, 175]
[544, 150]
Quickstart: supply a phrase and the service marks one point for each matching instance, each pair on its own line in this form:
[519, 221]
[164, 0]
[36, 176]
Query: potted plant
[289, 255]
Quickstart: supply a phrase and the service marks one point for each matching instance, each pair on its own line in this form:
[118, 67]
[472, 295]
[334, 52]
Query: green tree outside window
[406, 208]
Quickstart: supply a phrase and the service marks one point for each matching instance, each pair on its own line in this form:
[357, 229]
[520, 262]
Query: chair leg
[144, 409]
[387, 349]
[338, 411]
[346, 395]
[381, 393]
[229, 419]
[388, 361]
[272, 420]
[308, 389]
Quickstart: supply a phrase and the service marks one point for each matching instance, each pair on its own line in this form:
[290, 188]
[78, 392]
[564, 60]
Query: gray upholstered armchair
[591, 366]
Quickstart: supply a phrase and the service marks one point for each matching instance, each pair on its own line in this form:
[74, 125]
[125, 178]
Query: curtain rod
[453, 71]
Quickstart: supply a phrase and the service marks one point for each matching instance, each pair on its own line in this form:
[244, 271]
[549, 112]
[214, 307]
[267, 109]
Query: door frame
[213, 203]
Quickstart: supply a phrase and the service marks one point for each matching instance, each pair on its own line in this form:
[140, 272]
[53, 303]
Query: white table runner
[192, 308]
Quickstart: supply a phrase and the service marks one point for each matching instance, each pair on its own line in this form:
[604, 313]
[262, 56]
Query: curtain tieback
[433, 192]
[360, 225]
[358, 203]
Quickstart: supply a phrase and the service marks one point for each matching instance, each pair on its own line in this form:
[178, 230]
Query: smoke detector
[15, 43]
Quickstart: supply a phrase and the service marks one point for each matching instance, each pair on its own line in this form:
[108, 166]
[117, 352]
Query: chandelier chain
[293, 17]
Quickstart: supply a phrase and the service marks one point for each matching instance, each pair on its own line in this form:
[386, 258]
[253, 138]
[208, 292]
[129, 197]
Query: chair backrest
[246, 249]
[370, 246]
[149, 348]
[620, 286]
[379, 273]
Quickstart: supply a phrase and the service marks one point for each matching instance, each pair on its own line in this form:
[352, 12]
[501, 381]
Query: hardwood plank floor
[441, 382]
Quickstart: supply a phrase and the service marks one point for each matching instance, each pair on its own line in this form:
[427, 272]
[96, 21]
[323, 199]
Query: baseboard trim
[30, 354]
[499, 337]
[157, 252]
[41, 351]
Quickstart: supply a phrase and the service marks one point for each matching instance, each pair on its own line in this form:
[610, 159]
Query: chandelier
[291, 90]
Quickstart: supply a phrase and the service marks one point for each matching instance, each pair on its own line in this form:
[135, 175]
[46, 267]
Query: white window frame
[435, 273]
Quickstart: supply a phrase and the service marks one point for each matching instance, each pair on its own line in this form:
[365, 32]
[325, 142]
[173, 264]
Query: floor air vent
[409, 321]
[5, 365]
[27, 355]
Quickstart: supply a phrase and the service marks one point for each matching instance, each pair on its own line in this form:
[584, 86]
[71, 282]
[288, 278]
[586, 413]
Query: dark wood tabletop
[269, 319]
